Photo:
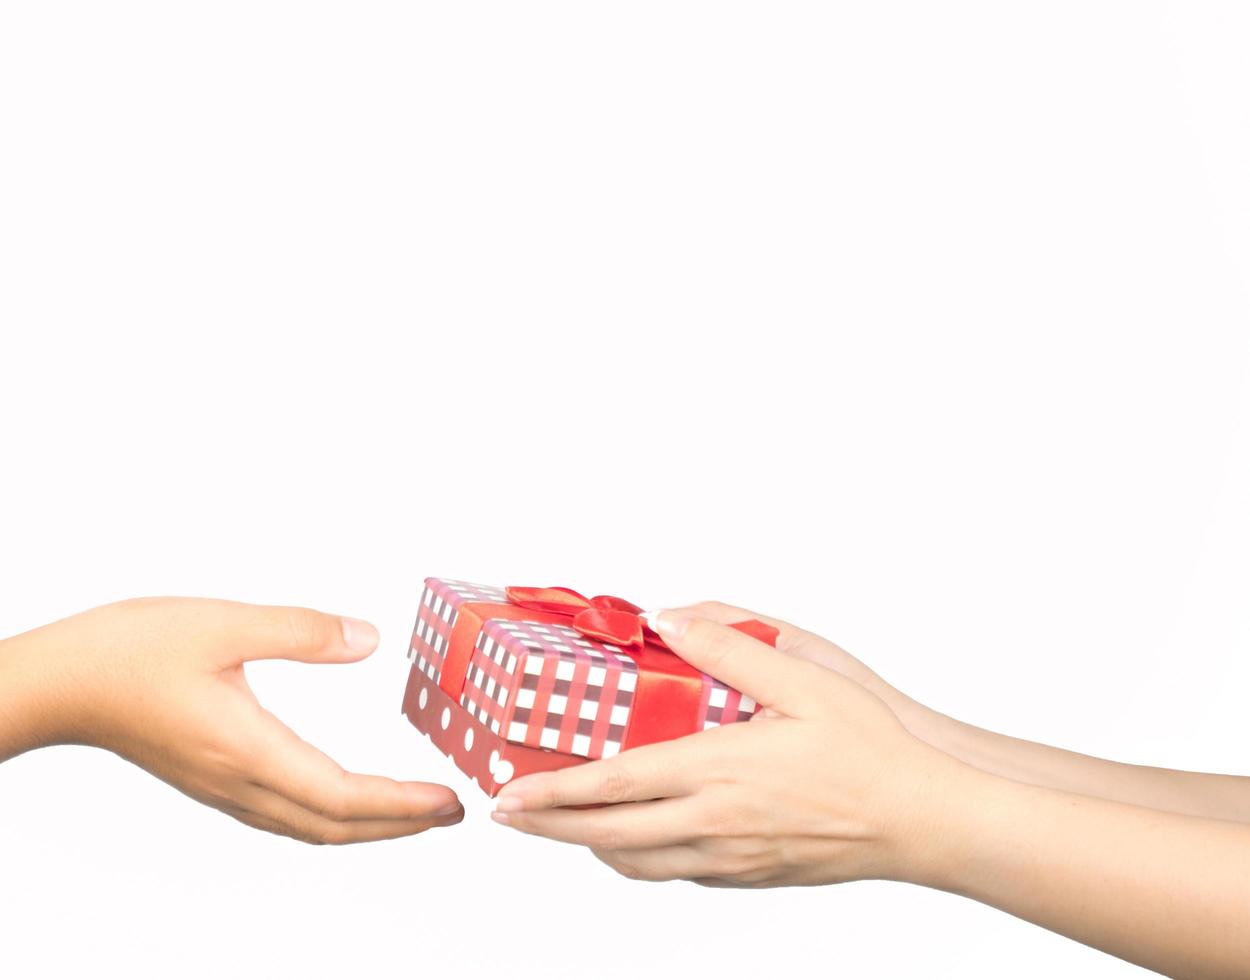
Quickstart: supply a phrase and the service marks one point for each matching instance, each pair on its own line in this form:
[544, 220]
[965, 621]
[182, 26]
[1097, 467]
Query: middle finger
[655, 823]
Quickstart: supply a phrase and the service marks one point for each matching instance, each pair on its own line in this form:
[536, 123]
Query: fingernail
[360, 637]
[449, 809]
[509, 804]
[670, 625]
[500, 818]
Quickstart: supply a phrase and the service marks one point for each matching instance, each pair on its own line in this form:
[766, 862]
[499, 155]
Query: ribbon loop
[558, 600]
[612, 602]
[611, 626]
[605, 617]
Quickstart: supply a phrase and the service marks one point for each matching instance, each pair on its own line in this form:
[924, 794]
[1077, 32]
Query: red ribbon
[669, 691]
[605, 617]
[612, 620]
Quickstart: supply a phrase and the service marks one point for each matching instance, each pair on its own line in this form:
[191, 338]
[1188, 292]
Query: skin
[161, 682]
[1150, 865]
[1194, 793]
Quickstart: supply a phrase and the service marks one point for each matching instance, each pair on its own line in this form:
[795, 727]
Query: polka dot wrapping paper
[505, 690]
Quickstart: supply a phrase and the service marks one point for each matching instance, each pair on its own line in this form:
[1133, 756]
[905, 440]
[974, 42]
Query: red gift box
[512, 681]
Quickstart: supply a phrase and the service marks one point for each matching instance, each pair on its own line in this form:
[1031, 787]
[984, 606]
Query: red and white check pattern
[722, 705]
[440, 604]
[546, 686]
[568, 693]
[490, 679]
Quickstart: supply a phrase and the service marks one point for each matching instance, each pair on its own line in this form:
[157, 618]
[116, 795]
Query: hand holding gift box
[519, 680]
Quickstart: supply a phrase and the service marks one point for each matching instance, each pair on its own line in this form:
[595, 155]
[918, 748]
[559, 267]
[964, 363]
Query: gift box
[518, 680]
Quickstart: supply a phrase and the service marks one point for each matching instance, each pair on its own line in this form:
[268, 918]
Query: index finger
[789, 636]
[773, 678]
[791, 639]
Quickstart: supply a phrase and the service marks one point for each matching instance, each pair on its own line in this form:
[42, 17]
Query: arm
[1167, 891]
[825, 785]
[161, 682]
[1194, 793]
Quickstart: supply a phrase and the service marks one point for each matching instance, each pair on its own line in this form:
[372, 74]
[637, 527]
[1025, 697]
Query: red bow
[612, 620]
[604, 617]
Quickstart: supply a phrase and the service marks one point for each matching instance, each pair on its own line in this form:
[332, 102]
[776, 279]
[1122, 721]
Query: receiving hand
[160, 682]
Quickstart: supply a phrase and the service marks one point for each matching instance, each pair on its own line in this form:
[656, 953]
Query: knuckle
[304, 629]
[550, 797]
[614, 786]
[333, 803]
[711, 643]
[229, 754]
[332, 809]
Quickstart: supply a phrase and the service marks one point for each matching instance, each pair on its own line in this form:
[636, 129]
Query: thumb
[295, 633]
[775, 679]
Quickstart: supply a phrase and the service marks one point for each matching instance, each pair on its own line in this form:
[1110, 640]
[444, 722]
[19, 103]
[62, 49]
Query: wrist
[947, 797]
[47, 679]
[970, 825]
[26, 704]
[931, 727]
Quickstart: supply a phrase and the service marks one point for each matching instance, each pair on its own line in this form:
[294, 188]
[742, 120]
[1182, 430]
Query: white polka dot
[494, 761]
[445, 721]
[468, 739]
[423, 698]
[503, 771]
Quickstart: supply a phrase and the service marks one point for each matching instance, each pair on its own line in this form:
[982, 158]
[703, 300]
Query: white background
[922, 325]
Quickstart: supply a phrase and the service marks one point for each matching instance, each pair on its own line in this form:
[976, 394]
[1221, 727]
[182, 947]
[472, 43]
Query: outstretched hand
[161, 682]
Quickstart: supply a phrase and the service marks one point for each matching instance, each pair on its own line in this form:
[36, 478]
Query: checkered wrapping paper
[549, 687]
[722, 705]
[440, 604]
[544, 685]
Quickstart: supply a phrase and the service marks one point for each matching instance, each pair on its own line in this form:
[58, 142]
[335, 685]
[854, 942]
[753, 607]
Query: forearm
[1167, 891]
[1193, 793]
